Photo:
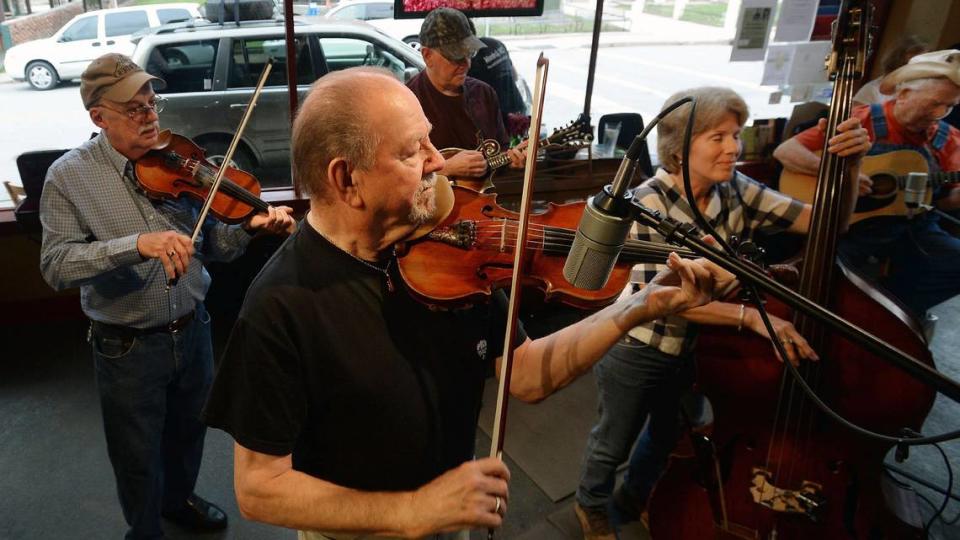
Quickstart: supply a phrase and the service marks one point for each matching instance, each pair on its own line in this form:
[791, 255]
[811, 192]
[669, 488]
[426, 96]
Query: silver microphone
[914, 192]
[596, 247]
[607, 218]
[603, 228]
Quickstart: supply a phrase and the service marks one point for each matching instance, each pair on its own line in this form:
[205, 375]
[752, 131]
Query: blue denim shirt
[92, 214]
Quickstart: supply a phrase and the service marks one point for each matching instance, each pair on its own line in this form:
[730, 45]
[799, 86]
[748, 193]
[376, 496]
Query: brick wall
[39, 25]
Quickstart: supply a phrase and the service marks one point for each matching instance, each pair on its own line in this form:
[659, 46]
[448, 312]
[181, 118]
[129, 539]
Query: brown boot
[595, 523]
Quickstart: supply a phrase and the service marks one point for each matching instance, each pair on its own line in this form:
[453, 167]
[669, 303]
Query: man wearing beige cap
[924, 259]
[464, 111]
[151, 343]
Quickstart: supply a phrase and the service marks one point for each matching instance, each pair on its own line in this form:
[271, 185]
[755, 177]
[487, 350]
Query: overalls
[924, 259]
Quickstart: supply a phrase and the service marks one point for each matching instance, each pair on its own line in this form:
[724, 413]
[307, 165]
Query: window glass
[250, 55]
[168, 15]
[382, 10]
[343, 53]
[639, 79]
[85, 28]
[127, 22]
[186, 66]
[349, 13]
[630, 79]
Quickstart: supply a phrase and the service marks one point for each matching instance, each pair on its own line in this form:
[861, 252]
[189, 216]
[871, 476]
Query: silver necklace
[385, 270]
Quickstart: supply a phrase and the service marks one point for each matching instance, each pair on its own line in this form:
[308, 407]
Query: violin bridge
[808, 500]
[462, 234]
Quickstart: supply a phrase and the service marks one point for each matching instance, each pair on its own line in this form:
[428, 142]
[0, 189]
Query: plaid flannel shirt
[92, 215]
[739, 207]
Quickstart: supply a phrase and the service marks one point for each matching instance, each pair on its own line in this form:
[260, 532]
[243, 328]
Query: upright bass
[774, 466]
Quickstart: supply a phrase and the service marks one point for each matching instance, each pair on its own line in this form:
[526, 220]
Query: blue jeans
[635, 381]
[924, 259]
[152, 388]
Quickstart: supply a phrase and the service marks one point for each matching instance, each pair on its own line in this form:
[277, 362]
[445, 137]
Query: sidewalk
[645, 30]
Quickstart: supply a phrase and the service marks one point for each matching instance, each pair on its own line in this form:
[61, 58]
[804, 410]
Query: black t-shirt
[367, 388]
[493, 66]
[462, 121]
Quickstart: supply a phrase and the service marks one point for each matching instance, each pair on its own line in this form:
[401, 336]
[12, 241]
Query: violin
[469, 250]
[178, 167]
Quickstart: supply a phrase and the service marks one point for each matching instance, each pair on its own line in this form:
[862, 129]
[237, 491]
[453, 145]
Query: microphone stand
[686, 235]
[939, 212]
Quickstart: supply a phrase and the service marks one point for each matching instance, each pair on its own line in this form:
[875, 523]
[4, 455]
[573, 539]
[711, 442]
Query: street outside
[629, 78]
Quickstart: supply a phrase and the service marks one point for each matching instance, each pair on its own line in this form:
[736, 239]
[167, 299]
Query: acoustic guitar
[889, 173]
[576, 133]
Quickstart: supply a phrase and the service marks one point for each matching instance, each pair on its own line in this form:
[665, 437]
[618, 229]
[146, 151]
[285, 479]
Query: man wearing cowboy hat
[925, 260]
[151, 343]
[464, 111]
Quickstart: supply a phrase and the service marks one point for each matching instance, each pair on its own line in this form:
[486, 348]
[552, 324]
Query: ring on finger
[496, 510]
[171, 253]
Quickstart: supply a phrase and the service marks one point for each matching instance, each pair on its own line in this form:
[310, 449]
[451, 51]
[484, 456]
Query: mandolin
[575, 133]
[889, 173]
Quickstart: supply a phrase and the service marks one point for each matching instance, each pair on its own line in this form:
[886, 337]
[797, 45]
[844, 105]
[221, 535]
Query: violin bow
[519, 254]
[267, 67]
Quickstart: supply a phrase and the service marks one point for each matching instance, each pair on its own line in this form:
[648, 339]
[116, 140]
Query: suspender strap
[879, 121]
[940, 139]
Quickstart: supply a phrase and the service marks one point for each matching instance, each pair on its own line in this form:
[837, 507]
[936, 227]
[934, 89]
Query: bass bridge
[807, 501]
[462, 234]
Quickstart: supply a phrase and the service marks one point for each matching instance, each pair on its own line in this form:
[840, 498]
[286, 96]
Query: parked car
[45, 62]
[378, 13]
[211, 70]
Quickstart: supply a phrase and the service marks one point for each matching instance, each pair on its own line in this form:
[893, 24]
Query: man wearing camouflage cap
[151, 343]
[924, 259]
[463, 110]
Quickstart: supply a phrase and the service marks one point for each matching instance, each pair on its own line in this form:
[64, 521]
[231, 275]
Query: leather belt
[172, 327]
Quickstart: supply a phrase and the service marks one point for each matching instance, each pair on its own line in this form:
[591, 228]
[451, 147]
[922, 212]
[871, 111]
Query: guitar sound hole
[884, 193]
[884, 185]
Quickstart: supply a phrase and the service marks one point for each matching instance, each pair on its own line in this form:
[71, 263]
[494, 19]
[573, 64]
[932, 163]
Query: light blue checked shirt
[92, 214]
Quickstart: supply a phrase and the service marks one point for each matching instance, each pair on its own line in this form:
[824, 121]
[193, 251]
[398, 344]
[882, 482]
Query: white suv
[45, 62]
[379, 14]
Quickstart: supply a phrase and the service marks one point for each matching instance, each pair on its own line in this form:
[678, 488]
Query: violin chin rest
[163, 139]
[443, 190]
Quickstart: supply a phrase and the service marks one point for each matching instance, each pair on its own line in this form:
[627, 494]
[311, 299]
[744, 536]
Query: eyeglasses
[138, 114]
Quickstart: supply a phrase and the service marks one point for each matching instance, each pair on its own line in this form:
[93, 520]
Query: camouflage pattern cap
[448, 31]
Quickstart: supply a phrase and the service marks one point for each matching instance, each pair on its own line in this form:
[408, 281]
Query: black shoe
[198, 515]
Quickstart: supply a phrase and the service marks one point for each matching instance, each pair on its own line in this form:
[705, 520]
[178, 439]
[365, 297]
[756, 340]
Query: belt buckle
[174, 326]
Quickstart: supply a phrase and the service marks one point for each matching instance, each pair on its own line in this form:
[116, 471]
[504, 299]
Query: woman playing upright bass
[644, 376]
